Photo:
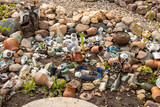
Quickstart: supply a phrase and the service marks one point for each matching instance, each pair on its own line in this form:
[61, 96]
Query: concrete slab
[60, 102]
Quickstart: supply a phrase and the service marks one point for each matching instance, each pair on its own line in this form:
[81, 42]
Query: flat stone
[136, 29]
[75, 83]
[121, 25]
[62, 28]
[77, 17]
[81, 27]
[146, 34]
[142, 91]
[9, 23]
[127, 20]
[43, 25]
[27, 42]
[85, 20]
[110, 15]
[88, 86]
[15, 67]
[60, 102]
[51, 16]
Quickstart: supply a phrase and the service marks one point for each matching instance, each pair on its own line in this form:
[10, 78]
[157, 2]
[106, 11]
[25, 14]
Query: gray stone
[9, 23]
[127, 20]
[121, 25]
[98, 25]
[60, 102]
[15, 67]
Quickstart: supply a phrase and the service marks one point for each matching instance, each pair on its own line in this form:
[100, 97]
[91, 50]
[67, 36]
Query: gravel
[74, 5]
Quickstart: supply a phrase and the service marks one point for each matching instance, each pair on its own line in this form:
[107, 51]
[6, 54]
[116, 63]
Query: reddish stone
[20, 52]
[42, 32]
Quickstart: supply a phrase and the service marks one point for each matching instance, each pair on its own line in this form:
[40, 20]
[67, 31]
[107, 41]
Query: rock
[85, 20]
[109, 30]
[49, 11]
[15, 67]
[146, 34]
[18, 60]
[98, 25]
[121, 25]
[122, 3]
[60, 10]
[9, 23]
[88, 86]
[129, 1]
[39, 38]
[127, 20]
[118, 19]
[136, 29]
[62, 28]
[132, 7]
[85, 96]
[150, 15]
[155, 34]
[51, 23]
[51, 16]
[4, 91]
[15, 15]
[42, 32]
[141, 97]
[108, 43]
[150, 103]
[77, 17]
[43, 25]
[97, 15]
[70, 25]
[158, 16]
[76, 83]
[141, 54]
[81, 27]
[27, 42]
[110, 25]
[28, 54]
[141, 45]
[20, 52]
[141, 9]
[62, 21]
[110, 15]
[94, 20]
[44, 6]
[119, 29]
[142, 91]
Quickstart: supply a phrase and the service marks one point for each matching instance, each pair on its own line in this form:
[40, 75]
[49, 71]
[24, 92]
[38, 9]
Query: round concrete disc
[60, 102]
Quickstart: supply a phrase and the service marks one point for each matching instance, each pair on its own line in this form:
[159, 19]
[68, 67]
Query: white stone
[85, 20]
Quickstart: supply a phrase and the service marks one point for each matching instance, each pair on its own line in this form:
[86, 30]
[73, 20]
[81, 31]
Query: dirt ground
[125, 98]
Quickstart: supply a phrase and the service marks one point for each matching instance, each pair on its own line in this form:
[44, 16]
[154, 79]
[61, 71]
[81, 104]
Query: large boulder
[9, 23]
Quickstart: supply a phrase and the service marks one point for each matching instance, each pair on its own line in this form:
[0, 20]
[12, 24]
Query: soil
[124, 97]
[20, 99]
